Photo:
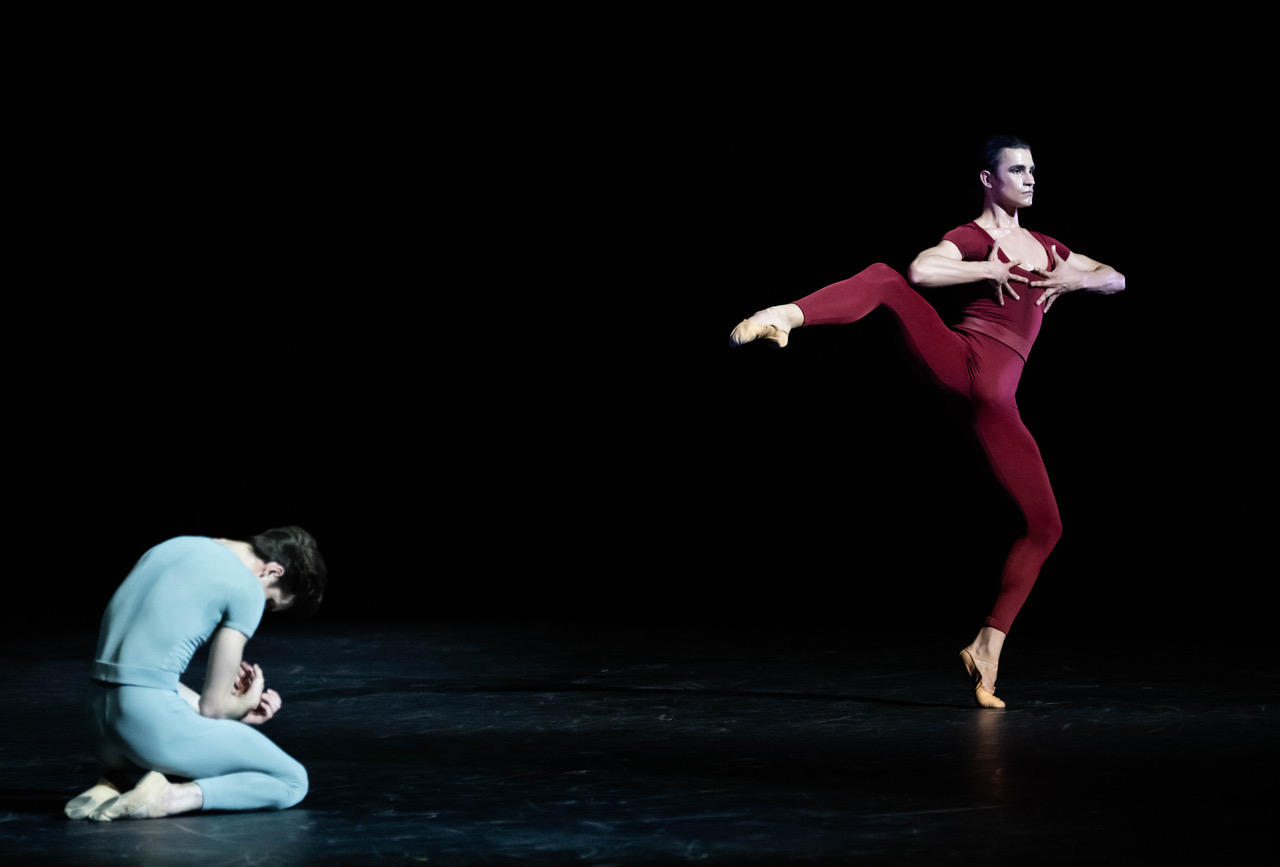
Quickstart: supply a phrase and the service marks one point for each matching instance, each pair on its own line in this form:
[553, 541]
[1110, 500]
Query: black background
[459, 305]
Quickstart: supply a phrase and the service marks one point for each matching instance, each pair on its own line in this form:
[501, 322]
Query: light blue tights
[235, 765]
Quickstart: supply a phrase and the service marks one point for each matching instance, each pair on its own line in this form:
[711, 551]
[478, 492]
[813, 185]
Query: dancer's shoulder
[972, 241]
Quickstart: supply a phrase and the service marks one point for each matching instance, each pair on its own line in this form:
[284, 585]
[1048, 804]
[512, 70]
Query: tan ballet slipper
[143, 801]
[747, 331]
[983, 696]
[83, 804]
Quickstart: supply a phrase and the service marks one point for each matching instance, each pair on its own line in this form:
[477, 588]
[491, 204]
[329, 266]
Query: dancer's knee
[296, 785]
[1045, 530]
[880, 271]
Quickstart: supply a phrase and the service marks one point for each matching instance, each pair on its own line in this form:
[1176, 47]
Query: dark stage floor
[528, 744]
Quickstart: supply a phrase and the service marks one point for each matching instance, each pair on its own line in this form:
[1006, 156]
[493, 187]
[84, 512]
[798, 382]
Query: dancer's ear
[985, 177]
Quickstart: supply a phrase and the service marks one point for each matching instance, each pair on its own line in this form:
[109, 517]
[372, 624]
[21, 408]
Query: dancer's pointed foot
[747, 331]
[144, 801]
[773, 323]
[983, 674]
[83, 804]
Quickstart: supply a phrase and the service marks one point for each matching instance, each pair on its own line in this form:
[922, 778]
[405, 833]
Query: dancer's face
[269, 574]
[1012, 184]
[277, 599]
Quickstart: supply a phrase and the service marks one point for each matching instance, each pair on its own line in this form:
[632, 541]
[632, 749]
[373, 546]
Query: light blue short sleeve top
[177, 595]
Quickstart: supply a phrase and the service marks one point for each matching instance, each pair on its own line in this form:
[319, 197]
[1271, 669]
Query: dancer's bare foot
[153, 797]
[772, 323]
[83, 804]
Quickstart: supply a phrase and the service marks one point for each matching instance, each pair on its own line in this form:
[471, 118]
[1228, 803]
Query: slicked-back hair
[990, 156]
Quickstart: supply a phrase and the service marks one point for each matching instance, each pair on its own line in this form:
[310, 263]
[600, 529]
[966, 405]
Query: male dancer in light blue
[182, 593]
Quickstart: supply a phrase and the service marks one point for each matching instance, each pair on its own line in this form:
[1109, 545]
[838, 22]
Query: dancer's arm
[266, 709]
[1074, 274]
[218, 698]
[944, 265]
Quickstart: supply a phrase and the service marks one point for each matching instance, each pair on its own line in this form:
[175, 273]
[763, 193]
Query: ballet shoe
[983, 696]
[143, 801]
[83, 804]
[747, 331]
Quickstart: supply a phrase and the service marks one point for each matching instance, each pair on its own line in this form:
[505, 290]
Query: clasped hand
[1003, 274]
[1062, 279]
[252, 683]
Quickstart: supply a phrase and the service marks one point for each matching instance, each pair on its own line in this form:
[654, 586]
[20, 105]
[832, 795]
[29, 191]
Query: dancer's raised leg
[940, 349]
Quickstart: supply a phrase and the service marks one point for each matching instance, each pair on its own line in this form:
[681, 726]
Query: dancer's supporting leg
[1016, 462]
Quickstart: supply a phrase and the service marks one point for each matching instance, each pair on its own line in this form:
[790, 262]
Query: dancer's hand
[245, 678]
[1064, 278]
[250, 684]
[251, 678]
[265, 710]
[1002, 273]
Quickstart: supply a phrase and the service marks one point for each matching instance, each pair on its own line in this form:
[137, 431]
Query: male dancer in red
[980, 357]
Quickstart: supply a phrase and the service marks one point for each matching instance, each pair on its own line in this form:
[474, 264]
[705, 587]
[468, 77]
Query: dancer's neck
[996, 217]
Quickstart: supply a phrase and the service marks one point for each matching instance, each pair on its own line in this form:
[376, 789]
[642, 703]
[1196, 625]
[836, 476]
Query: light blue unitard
[178, 594]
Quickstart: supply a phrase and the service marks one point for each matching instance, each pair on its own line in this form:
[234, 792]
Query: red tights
[984, 371]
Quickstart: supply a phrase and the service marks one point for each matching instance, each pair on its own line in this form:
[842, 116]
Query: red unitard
[980, 358]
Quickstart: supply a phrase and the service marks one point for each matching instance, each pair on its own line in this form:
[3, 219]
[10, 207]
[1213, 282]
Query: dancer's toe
[105, 810]
[986, 699]
[82, 805]
[748, 330]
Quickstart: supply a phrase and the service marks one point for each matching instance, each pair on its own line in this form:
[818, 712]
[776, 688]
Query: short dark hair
[990, 157]
[305, 572]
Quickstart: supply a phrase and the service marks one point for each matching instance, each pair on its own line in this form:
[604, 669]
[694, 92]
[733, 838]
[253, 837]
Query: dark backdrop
[471, 329]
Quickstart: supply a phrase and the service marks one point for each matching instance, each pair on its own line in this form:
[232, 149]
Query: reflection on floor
[526, 744]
